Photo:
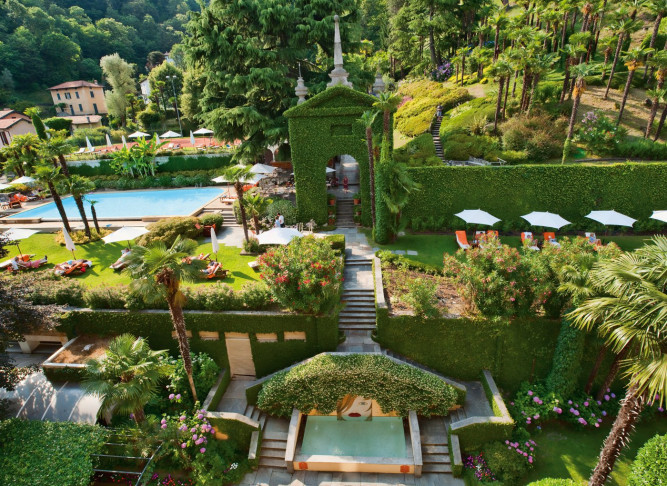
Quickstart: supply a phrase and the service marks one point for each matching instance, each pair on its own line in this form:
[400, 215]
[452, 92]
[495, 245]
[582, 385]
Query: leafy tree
[157, 274]
[256, 205]
[50, 176]
[501, 70]
[238, 175]
[367, 119]
[92, 203]
[33, 113]
[634, 58]
[631, 316]
[119, 75]
[78, 186]
[579, 72]
[55, 148]
[154, 59]
[659, 62]
[623, 28]
[127, 377]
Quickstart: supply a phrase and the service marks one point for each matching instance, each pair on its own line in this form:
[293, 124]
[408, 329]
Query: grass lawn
[430, 248]
[568, 453]
[104, 255]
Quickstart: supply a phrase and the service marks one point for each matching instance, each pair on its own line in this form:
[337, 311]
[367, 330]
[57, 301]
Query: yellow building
[13, 123]
[76, 98]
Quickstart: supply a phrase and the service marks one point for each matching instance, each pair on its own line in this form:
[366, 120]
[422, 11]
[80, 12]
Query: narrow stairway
[435, 133]
[228, 218]
[435, 450]
[274, 445]
[345, 213]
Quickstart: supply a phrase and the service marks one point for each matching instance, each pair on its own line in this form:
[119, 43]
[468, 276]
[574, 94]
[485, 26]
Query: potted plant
[332, 220]
[331, 199]
[357, 198]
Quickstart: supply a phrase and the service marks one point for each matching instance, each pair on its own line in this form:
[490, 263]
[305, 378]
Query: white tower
[339, 74]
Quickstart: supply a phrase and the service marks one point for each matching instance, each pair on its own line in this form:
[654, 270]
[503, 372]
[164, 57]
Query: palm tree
[608, 44]
[157, 274]
[501, 70]
[256, 205]
[662, 99]
[622, 28]
[541, 64]
[571, 52]
[498, 22]
[579, 72]
[57, 147]
[659, 8]
[631, 315]
[461, 54]
[634, 58]
[659, 62]
[367, 119]
[50, 176]
[481, 55]
[94, 213]
[127, 376]
[399, 187]
[238, 175]
[387, 103]
[78, 186]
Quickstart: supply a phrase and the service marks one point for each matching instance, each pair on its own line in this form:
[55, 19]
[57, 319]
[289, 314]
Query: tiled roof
[10, 122]
[83, 119]
[76, 84]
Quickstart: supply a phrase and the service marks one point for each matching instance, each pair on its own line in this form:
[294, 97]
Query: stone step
[255, 415]
[262, 421]
[436, 459]
[272, 462]
[356, 327]
[356, 320]
[272, 453]
[433, 468]
[434, 449]
[359, 291]
[365, 307]
[274, 444]
[358, 312]
[282, 436]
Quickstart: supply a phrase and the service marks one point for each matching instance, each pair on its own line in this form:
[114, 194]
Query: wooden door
[239, 354]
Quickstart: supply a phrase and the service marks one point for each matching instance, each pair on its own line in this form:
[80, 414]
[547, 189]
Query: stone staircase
[435, 133]
[255, 414]
[272, 454]
[435, 450]
[228, 218]
[359, 311]
[345, 213]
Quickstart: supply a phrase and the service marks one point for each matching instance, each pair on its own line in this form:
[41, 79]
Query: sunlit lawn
[431, 247]
[104, 255]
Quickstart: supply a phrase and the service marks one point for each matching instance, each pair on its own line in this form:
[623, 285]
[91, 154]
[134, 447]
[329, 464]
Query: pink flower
[164, 426]
[194, 437]
[200, 416]
[585, 404]
[606, 397]
[530, 459]
[183, 445]
[181, 418]
[163, 421]
[178, 397]
[202, 450]
[530, 393]
[171, 396]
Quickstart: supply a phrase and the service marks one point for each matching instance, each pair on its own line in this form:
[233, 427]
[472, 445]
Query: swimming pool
[131, 204]
[380, 437]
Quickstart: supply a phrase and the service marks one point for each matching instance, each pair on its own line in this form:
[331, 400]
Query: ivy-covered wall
[324, 126]
[165, 164]
[321, 333]
[572, 191]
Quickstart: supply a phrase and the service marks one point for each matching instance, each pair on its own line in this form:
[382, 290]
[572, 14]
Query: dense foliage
[509, 460]
[205, 373]
[326, 379]
[35, 452]
[305, 275]
[650, 465]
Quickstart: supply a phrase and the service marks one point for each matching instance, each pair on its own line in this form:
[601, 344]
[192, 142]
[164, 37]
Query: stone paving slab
[413, 252]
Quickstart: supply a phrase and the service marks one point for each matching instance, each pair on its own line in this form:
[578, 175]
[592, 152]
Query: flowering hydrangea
[599, 133]
[478, 464]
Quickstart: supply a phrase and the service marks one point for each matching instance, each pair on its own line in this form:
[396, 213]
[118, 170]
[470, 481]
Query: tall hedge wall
[572, 191]
[321, 333]
[174, 163]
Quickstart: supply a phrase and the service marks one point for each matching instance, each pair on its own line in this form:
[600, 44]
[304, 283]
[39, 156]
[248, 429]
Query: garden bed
[84, 348]
[395, 280]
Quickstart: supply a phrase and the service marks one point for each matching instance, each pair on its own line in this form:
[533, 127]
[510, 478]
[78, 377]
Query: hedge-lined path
[435, 133]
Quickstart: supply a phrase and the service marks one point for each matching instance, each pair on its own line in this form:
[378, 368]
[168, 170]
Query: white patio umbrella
[192, 138]
[69, 244]
[157, 139]
[138, 135]
[108, 140]
[262, 169]
[170, 134]
[329, 170]
[124, 141]
[16, 234]
[611, 218]
[278, 236]
[203, 131]
[89, 145]
[660, 216]
[477, 216]
[23, 180]
[215, 246]
[4, 186]
[252, 179]
[546, 219]
[126, 233]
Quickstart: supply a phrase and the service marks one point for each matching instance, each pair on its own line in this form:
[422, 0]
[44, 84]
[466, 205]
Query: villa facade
[77, 98]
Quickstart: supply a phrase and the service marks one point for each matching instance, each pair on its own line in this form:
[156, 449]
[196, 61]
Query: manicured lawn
[430, 248]
[568, 453]
[104, 255]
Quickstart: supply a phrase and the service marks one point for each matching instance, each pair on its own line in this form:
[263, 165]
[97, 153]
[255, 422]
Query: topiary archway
[320, 383]
[322, 127]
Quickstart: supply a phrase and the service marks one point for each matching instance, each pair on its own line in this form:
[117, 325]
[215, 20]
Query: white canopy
[89, 145]
[138, 135]
[330, 170]
[546, 219]
[659, 215]
[262, 169]
[69, 244]
[252, 179]
[108, 140]
[215, 246]
[170, 134]
[126, 233]
[192, 138]
[124, 141]
[611, 218]
[477, 216]
[19, 233]
[23, 180]
[203, 131]
[4, 186]
[278, 236]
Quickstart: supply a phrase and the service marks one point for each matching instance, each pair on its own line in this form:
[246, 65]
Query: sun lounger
[528, 241]
[72, 267]
[462, 240]
[215, 270]
[550, 239]
[8, 263]
[593, 240]
[254, 265]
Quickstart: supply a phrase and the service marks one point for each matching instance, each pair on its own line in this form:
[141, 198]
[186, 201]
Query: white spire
[339, 74]
[301, 90]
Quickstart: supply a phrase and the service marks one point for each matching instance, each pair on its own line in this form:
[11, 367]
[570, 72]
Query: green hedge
[321, 333]
[418, 152]
[514, 351]
[174, 163]
[238, 431]
[222, 388]
[64, 374]
[635, 189]
[474, 436]
[650, 466]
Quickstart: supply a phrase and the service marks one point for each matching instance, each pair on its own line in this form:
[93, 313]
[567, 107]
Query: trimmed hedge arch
[321, 382]
[323, 127]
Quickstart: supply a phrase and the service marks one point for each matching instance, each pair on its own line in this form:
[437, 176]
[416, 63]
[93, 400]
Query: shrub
[220, 297]
[166, 231]
[599, 133]
[284, 207]
[422, 298]
[304, 275]
[460, 118]
[58, 124]
[462, 146]
[650, 466]
[642, 148]
[554, 482]
[80, 238]
[149, 118]
[507, 459]
[255, 295]
[104, 297]
[97, 136]
[56, 290]
[208, 219]
[418, 152]
[204, 373]
[538, 135]
[251, 245]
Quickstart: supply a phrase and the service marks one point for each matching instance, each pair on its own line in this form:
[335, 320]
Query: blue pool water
[131, 204]
[380, 437]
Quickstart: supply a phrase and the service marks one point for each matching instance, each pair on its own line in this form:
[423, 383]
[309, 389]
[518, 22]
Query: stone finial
[301, 90]
[378, 85]
[339, 74]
